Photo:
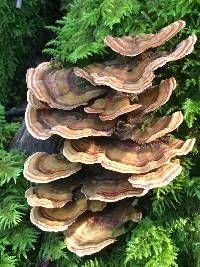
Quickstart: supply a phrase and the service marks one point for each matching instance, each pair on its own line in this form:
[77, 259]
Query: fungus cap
[42, 123]
[156, 178]
[133, 45]
[59, 219]
[92, 232]
[42, 167]
[138, 73]
[60, 88]
[157, 128]
[126, 156]
[110, 187]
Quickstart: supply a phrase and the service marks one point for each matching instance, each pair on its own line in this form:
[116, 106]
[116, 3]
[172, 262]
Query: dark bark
[15, 113]
[24, 142]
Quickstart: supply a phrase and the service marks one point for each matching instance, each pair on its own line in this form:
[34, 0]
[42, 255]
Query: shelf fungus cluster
[114, 148]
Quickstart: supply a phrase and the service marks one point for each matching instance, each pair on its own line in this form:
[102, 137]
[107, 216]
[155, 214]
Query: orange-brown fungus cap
[136, 44]
[43, 167]
[34, 102]
[126, 156]
[135, 76]
[92, 232]
[110, 187]
[156, 178]
[157, 128]
[150, 100]
[53, 195]
[112, 106]
[59, 219]
[42, 123]
[60, 88]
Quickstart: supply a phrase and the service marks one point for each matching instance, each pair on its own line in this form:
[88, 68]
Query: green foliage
[53, 247]
[80, 33]
[151, 246]
[20, 30]
[191, 111]
[7, 130]
[169, 234]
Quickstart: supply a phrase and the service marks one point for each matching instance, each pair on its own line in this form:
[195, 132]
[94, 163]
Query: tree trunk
[24, 142]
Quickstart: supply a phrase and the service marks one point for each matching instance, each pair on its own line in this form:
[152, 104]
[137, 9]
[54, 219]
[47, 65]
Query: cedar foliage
[20, 31]
[169, 233]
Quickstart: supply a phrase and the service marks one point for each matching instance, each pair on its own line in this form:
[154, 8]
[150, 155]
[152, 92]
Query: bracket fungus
[42, 123]
[34, 102]
[156, 178]
[60, 88]
[52, 195]
[110, 187]
[138, 73]
[115, 148]
[92, 232]
[43, 167]
[157, 128]
[133, 45]
[112, 106]
[59, 219]
[125, 156]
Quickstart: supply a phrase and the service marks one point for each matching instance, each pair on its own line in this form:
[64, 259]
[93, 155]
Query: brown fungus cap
[112, 106]
[136, 44]
[157, 128]
[52, 195]
[59, 219]
[137, 75]
[92, 232]
[126, 156]
[110, 187]
[156, 178]
[42, 167]
[60, 88]
[150, 100]
[42, 123]
[34, 102]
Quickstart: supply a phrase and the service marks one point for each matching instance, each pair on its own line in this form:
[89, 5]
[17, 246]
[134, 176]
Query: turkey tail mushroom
[112, 106]
[52, 195]
[125, 156]
[121, 150]
[156, 178]
[133, 45]
[60, 88]
[42, 167]
[42, 123]
[90, 233]
[157, 128]
[110, 187]
[137, 75]
[59, 219]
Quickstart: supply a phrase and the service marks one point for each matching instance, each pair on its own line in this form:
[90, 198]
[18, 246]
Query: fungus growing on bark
[138, 73]
[60, 88]
[53, 195]
[110, 187]
[132, 149]
[43, 167]
[136, 44]
[42, 123]
[157, 128]
[125, 156]
[59, 219]
[156, 178]
[92, 232]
